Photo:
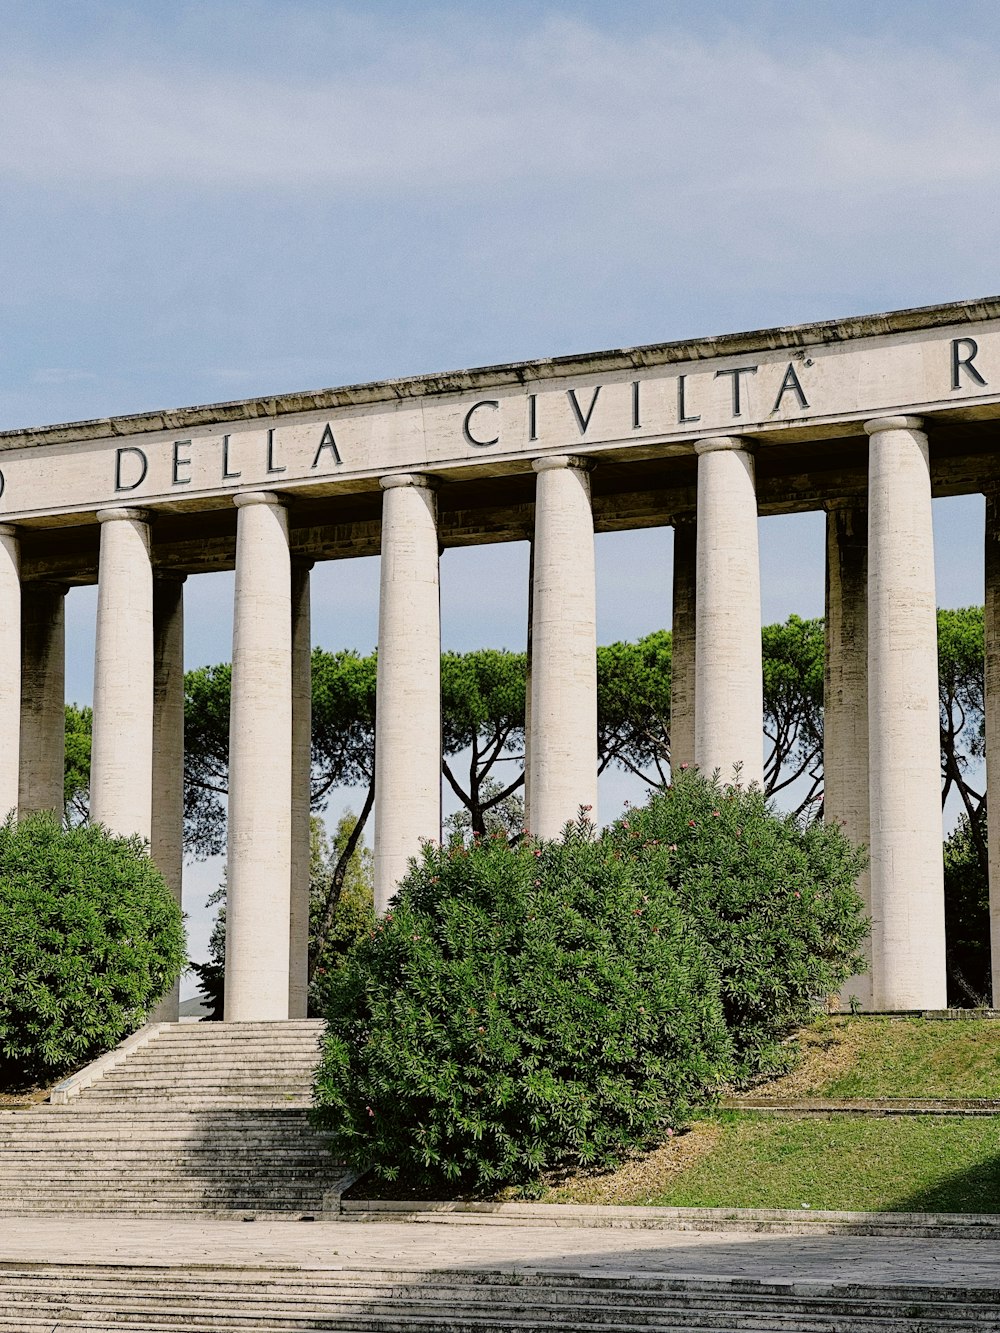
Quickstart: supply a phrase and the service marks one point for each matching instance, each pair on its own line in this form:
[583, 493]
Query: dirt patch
[826, 1049]
[642, 1177]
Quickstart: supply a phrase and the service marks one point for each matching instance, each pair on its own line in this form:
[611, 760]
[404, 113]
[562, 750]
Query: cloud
[564, 103]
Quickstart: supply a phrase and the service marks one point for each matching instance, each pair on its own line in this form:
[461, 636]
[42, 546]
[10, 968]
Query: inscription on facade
[668, 403]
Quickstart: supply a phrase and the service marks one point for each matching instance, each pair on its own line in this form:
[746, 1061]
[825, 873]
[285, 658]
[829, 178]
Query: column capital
[8, 530]
[168, 576]
[259, 498]
[879, 424]
[552, 461]
[711, 444]
[136, 515]
[845, 502]
[396, 479]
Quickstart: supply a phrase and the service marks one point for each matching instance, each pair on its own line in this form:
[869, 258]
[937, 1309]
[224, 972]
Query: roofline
[514, 372]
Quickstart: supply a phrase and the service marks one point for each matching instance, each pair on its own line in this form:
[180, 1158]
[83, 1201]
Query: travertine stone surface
[992, 629]
[260, 767]
[10, 667]
[683, 639]
[845, 699]
[564, 645]
[907, 881]
[43, 697]
[408, 720]
[729, 695]
[298, 944]
[121, 766]
[775, 381]
[167, 842]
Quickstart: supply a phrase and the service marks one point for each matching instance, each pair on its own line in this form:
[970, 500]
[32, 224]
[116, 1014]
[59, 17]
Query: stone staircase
[201, 1117]
[286, 1300]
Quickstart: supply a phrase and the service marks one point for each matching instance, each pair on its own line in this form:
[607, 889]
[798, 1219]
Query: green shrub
[518, 1008]
[774, 901]
[90, 939]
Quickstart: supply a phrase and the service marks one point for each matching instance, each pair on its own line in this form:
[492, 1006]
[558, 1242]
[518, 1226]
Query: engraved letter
[144, 464]
[636, 419]
[583, 421]
[3, 485]
[328, 442]
[179, 462]
[270, 455]
[532, 416]
[736, 373]
[790, 384]
[226, 474]
[963, 353]
[467, 426]
[681, 409]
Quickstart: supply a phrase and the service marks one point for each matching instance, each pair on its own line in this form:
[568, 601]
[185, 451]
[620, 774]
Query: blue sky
[202, 201]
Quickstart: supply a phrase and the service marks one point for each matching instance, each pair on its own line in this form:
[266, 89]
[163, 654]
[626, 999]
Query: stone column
[43, 698]
[845, 698]
[563, 749]
[167, 841]
[121, 764]
[10, 668]
[527, 689]
[298, 976]
[682, 646]
[907, 877]
[259, 870]
[408, 713]
[729, 690]
[992, 628]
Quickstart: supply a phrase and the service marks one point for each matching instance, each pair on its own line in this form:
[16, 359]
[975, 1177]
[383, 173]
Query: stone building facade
[866, 419]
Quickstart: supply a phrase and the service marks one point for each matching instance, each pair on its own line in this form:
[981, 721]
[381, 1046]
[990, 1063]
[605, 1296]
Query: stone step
[208, 1100]
[356, 1300]
[302, 1065]
[238, 1076]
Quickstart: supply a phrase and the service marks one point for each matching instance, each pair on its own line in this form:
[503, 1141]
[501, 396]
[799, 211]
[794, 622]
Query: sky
[213, 200]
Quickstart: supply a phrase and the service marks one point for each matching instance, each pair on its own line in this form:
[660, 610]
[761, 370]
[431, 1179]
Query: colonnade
[881, 741]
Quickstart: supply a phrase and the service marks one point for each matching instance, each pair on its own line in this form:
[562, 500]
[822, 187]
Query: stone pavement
[422, 1247]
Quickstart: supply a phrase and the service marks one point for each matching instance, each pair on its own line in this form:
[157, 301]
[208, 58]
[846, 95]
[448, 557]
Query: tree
[962, 698]
[793, 657]
[482, 711]
[343, 750]
[330, 937]
[967, 919]
[633, 707]
[76, 781]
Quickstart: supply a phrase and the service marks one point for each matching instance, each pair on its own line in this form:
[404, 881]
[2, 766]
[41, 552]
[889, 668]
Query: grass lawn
[894, 1057]
[741, 1160]
[898, 1163]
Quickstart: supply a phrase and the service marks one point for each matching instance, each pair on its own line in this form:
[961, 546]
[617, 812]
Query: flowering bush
[90, 939]
[519, 1008]
[774, 901]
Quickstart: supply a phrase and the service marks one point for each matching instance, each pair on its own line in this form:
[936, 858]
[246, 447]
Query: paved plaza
[423, 1247]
